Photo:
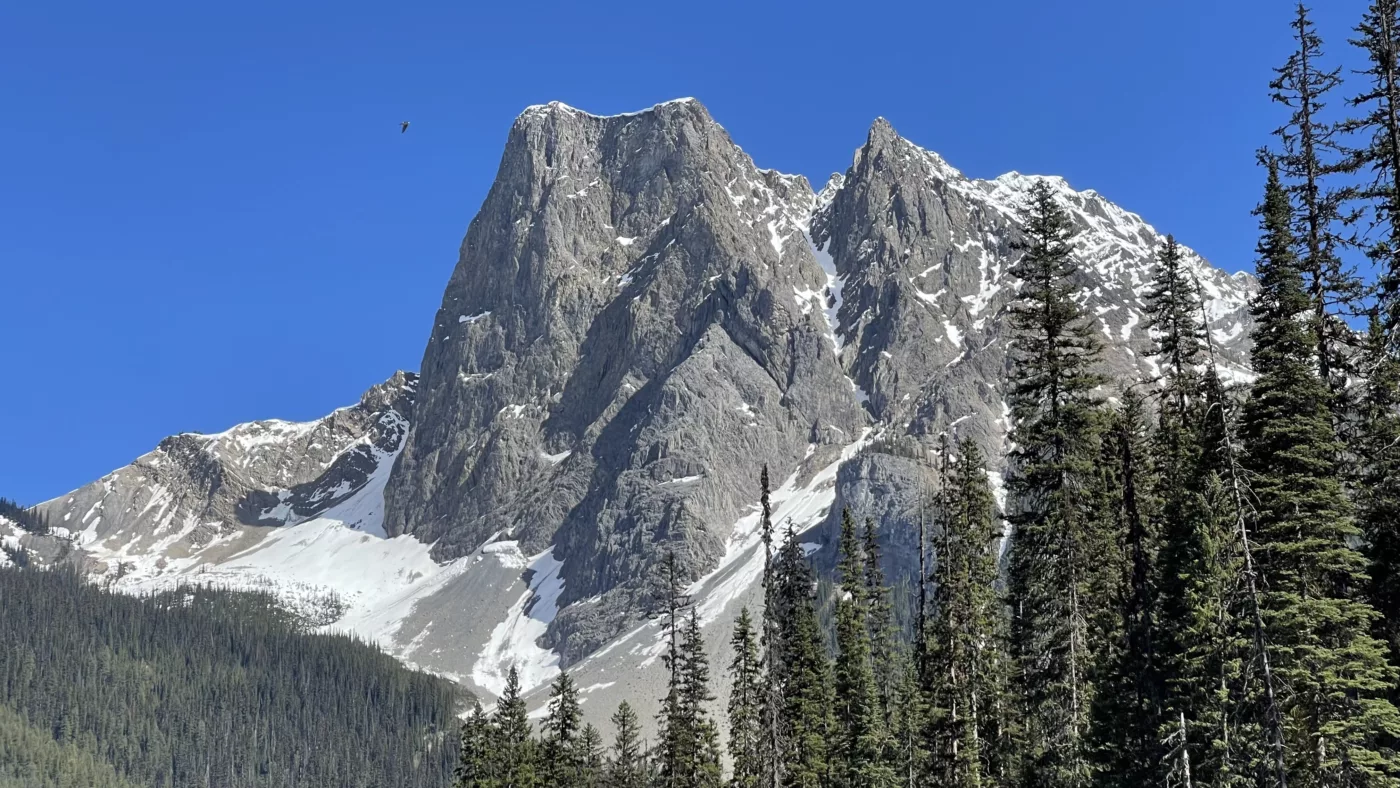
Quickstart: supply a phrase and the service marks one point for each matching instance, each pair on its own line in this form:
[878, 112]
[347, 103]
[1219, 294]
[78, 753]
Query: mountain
[639, 321]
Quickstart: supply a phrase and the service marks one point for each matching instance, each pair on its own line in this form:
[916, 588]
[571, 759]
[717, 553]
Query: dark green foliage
[804, 672]
[861, 746]
[745, 705]
[514, 752]
[1311, 154]
[168, 688]
[563, 759]
[31, 758]
[1378, 483]
[1130, 693]
[627, 762]
[1337, 719]
[968, 671]
[1378, 36]
[474, 763]
[1057, 571]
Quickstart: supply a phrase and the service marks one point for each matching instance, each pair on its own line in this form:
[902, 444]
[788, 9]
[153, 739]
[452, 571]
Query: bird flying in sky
[403, 127]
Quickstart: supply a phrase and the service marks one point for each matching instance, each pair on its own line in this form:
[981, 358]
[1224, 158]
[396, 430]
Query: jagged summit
[534, 109]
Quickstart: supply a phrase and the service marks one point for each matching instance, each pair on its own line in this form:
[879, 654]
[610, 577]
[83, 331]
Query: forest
[1202, 581]
[199, 687]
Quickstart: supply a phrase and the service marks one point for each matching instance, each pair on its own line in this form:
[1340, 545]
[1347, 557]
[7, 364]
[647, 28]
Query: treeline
[203, 688]
[1202, 584]
[31, 520]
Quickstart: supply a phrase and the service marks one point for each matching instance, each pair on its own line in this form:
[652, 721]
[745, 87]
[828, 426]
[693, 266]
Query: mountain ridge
[640, 319]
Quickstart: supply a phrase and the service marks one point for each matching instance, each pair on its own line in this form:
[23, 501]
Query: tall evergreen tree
[967, 684]
[879, 615]
[1130, 693]
[626, 766]
[1338, 723]
[1378, 36]
[590, 758]
[514, 756]
[689, 754]
[474, 758]
[1310, 154]
[745, 705]
[860, 746]
[773, 745]
[561, 766]
[1378, 485]
[807, 698]
[1058, 544]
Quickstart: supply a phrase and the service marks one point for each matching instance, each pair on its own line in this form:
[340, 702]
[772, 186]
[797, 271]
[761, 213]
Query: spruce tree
[1058, 545]
[807, 700]
[745, 705]
[474, 757]
[1128, 705]
[1310, 156]
[513, 754]
[967, 684]
[773, 747]
[1378, 36]
[1378, 485]
[626, 766]
[1338, 723]
[590, 758]
[884, 647]
[860, 745]
[560, 764]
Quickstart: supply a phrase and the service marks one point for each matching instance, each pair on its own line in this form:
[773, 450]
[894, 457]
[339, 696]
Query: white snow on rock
[514, 641]
[469, 319]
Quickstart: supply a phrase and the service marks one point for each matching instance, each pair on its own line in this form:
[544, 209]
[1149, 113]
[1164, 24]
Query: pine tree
[590, 758]
[626, 767]
[745, 705]
[805, 672]
[704, 770]
[1057, 547]
[967, 683]
[513, 752]
[1310, 154]
[1337, 720]
[560, 765]
[884, 649]
[860, 746]
[1378, 35]
[1378, 485]
[474, 758]
[1129, 706]
[908, 723]
[773, 746]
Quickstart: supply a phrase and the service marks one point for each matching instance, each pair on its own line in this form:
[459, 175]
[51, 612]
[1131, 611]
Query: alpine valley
[641, 319]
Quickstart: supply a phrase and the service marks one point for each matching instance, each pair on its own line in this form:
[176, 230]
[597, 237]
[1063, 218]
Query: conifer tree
[1129, 702]
[626, 767]
[1338, 723]
[745, 705]
[1310, 156]
[1056, 551]
[1378, 485]
[590, 758]
[967, 682]
[514, 752]
[807, 698]
[772, 747]
[560, 764]
[884, 649]
[860, 746]
[474, 758]
[1378, 36]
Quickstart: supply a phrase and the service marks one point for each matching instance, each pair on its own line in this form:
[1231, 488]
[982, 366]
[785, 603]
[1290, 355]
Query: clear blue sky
[208, 214]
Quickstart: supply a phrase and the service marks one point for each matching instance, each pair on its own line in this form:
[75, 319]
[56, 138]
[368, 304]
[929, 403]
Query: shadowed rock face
[639, 321]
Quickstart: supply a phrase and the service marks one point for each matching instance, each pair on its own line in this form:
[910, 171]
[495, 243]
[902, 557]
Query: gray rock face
[618, 354]
[193, 487]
